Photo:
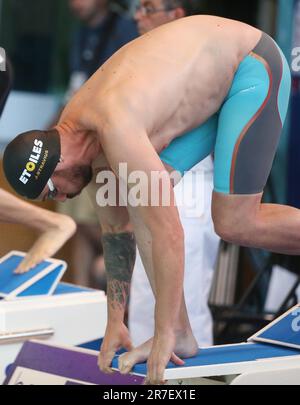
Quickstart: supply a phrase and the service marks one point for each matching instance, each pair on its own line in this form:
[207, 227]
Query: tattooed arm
[119, 254]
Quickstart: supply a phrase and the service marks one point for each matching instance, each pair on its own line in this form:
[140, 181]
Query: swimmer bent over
[167, 100]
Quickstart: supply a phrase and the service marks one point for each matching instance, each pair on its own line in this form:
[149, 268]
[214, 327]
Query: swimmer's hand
[116, 337]
[139, 355]
[57, 229]
[158, 351]
[159, 354]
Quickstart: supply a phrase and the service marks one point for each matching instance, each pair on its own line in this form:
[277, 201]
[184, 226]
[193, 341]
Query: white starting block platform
[270, 357]
[245, 364]
[273, 361]
[70, 315]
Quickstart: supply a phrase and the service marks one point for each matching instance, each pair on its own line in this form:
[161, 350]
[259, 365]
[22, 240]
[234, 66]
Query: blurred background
[54, 45]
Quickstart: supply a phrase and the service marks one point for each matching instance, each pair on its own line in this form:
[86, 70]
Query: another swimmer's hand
[116, 337]
[58, 231]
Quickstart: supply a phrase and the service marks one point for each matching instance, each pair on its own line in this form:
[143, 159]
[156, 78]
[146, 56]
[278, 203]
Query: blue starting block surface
[65, 288]
[284, 331]
[275, 345]
[41, 280]
[224, 355]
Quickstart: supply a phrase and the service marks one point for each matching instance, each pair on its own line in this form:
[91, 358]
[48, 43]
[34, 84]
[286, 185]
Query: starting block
[72, 315]
[40, 363]
[270, 357]
[234, 364]
[37, 305]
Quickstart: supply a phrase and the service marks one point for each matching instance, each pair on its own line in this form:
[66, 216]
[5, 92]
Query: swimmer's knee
[236, 229]
[234, 217]
[228, 232]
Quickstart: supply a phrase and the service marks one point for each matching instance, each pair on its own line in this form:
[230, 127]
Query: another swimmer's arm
[55, 229]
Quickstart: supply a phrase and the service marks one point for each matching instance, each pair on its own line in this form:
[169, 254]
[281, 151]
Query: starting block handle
[20, 336]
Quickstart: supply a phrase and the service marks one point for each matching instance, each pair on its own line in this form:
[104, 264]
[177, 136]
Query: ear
[179, 13]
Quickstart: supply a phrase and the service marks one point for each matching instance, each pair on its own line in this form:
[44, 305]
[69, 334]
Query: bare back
[171, 79]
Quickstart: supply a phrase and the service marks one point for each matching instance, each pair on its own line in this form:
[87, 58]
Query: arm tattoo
[119, 255]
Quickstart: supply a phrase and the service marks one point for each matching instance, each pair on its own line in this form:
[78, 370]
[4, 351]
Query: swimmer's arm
[119, 248]
[16, 211]
[132, 146]
[55, 229]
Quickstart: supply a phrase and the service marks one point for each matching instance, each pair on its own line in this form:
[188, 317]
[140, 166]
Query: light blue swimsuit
[244, 134]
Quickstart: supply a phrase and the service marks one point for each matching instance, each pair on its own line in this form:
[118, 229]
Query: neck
[77, 145]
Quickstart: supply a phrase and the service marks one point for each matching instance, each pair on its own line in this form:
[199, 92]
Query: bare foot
[186, 347]
[138, 355]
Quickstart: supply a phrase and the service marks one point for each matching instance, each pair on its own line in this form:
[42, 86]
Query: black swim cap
[30, 160]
